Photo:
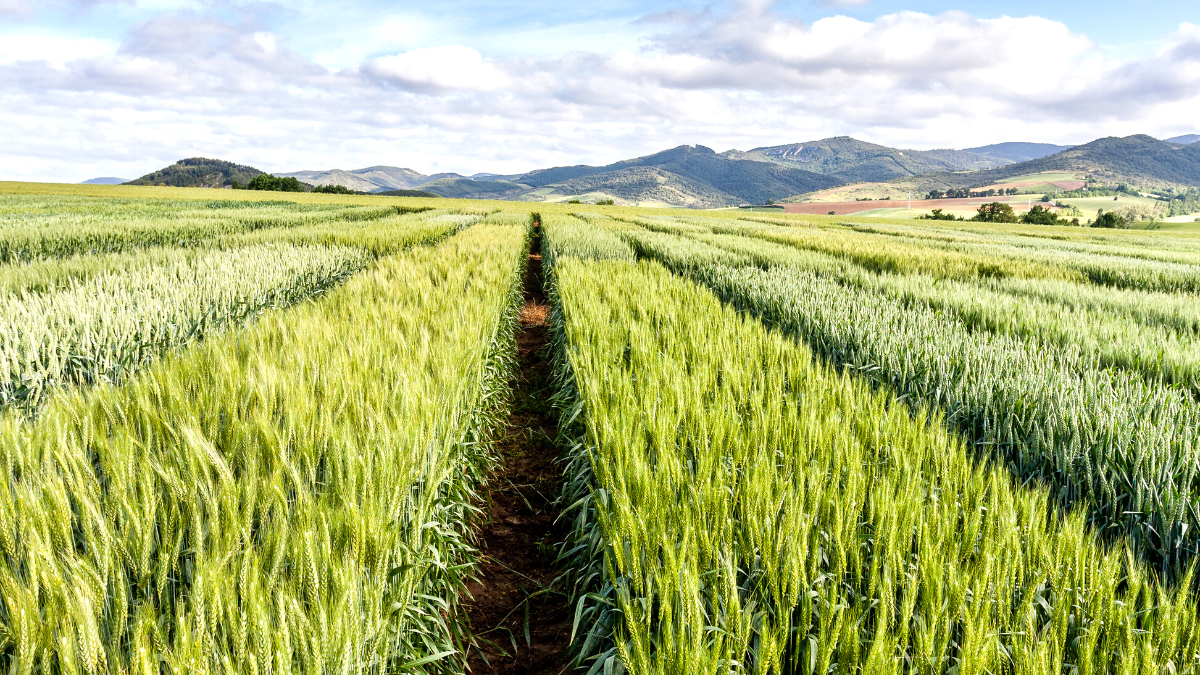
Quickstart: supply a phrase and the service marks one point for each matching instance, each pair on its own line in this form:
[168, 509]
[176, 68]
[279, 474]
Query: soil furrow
[520, 619]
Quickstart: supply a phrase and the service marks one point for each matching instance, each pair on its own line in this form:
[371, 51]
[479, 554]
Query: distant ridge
[683, 176]
[1019, 152]
[407, 193]
[389, 178]
[199, 172]
[698, 177]
[105, 180]
[851, 160]
[1138, 160]
[1185, 140]
[370, 179]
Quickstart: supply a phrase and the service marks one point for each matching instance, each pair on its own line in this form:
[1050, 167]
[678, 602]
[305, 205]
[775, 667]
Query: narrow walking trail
[514, 602]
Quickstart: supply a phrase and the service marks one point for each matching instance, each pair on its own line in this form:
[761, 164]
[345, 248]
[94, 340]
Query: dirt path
[514, 601]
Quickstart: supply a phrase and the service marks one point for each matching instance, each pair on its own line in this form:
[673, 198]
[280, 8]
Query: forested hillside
[199, 172]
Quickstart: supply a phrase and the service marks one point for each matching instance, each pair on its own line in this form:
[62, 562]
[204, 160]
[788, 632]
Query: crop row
[376, 237]
[1150, 245]
[110, 326]
[295, 497]
[1154, 334]
[737, 507]
[1127, 447]
[971, 260]
[32, 230]
[89, 319]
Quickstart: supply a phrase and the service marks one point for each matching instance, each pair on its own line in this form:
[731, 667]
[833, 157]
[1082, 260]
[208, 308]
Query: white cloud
[51, 49]
[437, 70]
[184, 84]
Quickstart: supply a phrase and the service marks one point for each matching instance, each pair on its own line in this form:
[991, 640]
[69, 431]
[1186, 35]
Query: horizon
[518, 173]
[94, 88]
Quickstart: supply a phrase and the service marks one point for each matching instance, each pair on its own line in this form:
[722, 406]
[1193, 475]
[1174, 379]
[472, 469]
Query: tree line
[964, 193]
[999, 212]
[269, 183]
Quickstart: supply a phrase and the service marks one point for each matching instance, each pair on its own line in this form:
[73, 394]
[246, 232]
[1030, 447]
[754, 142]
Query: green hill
[698, 177]
[1019, 152]
[370, 179]
[406, 193]
[684, 176]
[199, 172]
[647, 184]
[465, 188]
[853, 161]
[1138, 160]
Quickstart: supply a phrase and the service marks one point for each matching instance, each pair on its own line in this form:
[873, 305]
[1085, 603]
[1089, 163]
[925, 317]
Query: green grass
[1089, 205]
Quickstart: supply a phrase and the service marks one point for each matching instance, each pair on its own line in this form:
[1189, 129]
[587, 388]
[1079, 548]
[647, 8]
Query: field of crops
[261, 437]
[804, 447]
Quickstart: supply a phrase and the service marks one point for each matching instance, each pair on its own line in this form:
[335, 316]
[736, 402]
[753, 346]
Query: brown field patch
[849, 208]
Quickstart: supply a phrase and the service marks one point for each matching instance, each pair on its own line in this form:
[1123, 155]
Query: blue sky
[89, 87]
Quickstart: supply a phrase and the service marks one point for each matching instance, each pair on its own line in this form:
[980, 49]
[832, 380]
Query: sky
[123, 87]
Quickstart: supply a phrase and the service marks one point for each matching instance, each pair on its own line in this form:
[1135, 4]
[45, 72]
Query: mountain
[851, 161]
[1185, 140]
[682, 176]
[407, 193]
[1019, 152]
[386, 178]
[1139, 160]
[693, 176]
[495, 176]
[199, 172]
[456, 186]
[697, 176]
[105, 180]
[649, 184]
[370, 179]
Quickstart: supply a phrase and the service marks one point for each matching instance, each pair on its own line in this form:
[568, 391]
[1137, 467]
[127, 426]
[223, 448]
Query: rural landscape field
[668, 337]
[262, 432]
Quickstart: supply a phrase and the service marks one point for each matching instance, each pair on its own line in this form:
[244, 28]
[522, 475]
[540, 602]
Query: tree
[938, 214]
[1040, 216]
[1046, 198]
[1110, 220]
[995, 212]
[934, 194]
[265, 181]
[335, 190]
